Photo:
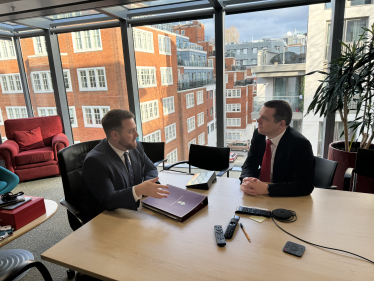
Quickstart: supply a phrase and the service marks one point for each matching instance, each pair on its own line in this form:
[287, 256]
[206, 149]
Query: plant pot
[348, 160]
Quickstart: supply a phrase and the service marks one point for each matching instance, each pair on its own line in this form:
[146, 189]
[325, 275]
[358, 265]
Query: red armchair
[33, 163]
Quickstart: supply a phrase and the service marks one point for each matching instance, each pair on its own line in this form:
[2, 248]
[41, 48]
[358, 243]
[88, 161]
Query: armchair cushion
[59, 142]
[28, 140]
[35, 156]
[8, 150]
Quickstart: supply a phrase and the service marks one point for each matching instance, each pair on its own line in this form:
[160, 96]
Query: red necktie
[266, 163]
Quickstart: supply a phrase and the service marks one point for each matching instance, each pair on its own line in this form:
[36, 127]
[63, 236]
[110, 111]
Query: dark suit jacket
[106, 181]
[293, 168]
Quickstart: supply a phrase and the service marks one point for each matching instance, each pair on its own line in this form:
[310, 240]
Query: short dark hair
[112, 120]
[283, 110]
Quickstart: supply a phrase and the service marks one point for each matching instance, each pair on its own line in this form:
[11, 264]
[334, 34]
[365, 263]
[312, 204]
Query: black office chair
[324, 172]
[155, 152]
[207, 158]
[364, 166]
[26, 265]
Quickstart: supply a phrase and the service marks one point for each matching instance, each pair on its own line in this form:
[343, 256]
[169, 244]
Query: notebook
[11, 202]
[17, 204]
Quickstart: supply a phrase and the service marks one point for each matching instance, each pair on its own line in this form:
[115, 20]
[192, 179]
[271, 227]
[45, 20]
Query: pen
[242, 227]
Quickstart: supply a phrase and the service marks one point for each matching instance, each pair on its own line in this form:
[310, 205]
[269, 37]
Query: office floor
[43, 237]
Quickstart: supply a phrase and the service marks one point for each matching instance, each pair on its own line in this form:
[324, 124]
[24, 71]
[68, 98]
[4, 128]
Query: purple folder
[180, 204]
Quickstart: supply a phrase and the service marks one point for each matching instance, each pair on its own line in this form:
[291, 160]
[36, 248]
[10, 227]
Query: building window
[149, 110]
[200, 97]
[166, 76]
[254, 50]
[212, 127]
[210, 63]
[238, 51]
[226, 78]
[177, 31]
[354, 29]
[191, 142]
[42, 81]
[146, 77]
[245, 62]
[254, 61]
[164, 45]
[16, 112]
[143, 40]
[233, 93]
[67, 80]
[92, 115]
[168, 104]
[172, 157]
[234, 77]
[39, 45]
[211, 111]
[1, 118]
[360, 2]
[50, 111]
[11, 83]
[183, 32]
[92, 79]
[88, 40]
[211, 94]
[201, 139]
[200, 119]
[153, 137]
[191, 124]
[7, 50]
[245, 51]
[233, 107]
[170, 132]
[233, 122]
[232, 136]
[190, 100]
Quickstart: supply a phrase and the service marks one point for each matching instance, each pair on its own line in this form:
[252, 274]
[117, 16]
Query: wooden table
[51, 208]
[130, 245]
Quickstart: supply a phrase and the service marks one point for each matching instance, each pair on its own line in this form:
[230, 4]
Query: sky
[266, 24]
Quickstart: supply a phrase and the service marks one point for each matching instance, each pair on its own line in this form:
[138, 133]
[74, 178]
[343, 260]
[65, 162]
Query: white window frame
[254, 50]
[83, 35]
[9, 108]
[67, 72]
[151, 72]
[170, 132]
[43, 46]
[237, 122]
[139, 47]
[74, 124]
[92, 108]
[1, 118]
[200, 119]
[226, 78]
[49, 81]
[191, 124]
[245, 51]
[164, 49]
[168, 105]
[183, 32]
[210, 63]
[233, 93]
[201, 139]
[171, 156]
[199, 97]
[190, 100]
[233, 107]
[8, 78]
[191, 142]
[233, 136]
[97, 81]
[166, 76]
[9, 49]
[153, 137]
[146, 112]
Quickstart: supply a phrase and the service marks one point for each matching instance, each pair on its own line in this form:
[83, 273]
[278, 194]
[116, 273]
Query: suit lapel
[117, 162]
[281, 150]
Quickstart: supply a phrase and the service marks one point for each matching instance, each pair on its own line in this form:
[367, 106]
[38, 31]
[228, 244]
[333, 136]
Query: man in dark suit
[117, 172]
[285, 156]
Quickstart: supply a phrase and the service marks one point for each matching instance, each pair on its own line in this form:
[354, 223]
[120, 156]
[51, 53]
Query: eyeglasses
[10, 196]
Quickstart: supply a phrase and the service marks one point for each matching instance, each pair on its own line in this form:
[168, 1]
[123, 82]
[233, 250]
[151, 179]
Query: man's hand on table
[253, 186]
[152, 189]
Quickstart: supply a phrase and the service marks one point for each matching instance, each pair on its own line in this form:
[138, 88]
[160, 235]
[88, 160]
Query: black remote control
[231, 227]
[294, 249]
[252, 211]
[219, 235]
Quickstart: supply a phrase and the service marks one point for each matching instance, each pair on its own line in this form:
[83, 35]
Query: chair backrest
[70, 161]
[209, 158]
[49, 126]
[365, 162]
[154, 150]
[324, 172]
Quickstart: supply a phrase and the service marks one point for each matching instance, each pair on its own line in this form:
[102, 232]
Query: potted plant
[348, 85]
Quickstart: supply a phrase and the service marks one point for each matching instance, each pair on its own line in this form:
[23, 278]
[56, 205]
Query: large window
[7, 50]
[16, 112]
[168, 104]
[232, 136]
[50, 111]
[153, 137]
[10, 83]
[1, 118]
[93, 115]
[354, 29]
[164, 45]
[200, 119]
[233, 93]
[92, 79]
[42, 81]
[166, 76]
[88, 40]
[200, 97]
[143, 40]
[190, 100]
[149, 110]
[191, 124]
[172, 157]
[233, 122]
[39, 46]
[360, 2]
[170, 132]
[233, 107]
[202, 139]
[146, 76]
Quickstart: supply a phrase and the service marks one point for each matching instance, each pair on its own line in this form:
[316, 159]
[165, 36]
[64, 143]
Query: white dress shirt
[274, 145]
[121, 154]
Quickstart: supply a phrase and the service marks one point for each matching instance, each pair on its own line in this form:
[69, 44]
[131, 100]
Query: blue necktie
[129, 168]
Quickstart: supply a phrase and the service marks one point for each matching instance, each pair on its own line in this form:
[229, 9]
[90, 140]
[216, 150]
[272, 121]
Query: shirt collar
[116, 150]
[276, 139]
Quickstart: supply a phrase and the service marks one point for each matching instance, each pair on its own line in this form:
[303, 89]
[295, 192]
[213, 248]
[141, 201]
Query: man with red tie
[284, 155]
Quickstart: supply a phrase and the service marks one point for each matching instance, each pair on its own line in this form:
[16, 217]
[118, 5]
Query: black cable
[294, 218]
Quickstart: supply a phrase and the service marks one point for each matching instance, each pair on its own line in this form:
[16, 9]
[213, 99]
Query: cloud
[269, 24]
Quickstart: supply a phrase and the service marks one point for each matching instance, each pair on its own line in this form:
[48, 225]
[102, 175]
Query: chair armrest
[175, 164]
[26, 265]
[158, 162]
[74, 211]
[8, 150]
[59, 142]
[220, 174]
[347, 178]
[333, 187]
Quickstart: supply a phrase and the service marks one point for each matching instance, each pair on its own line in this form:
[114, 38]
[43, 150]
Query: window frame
[139, 76]
[1, 118]
[164, 101]
[97, 81]
[142, 107]
[7, 108]
[43, 46]
[158, 132]
[9, 51]
[232, 105]
[160, 49]
[201, 136]
[136, 45]
[227, 123]
[165, 76]
[92, 40]
[234, 91]
[171, 131]
[200, 119]
[199, 97]
[8, 83]
[188, 104]
[169, 155]
[101, 107]
[191, 121]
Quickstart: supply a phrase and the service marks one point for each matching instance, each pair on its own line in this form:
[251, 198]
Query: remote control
[219, 235]
[231, 227]
[294, 249]
[252, 211]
